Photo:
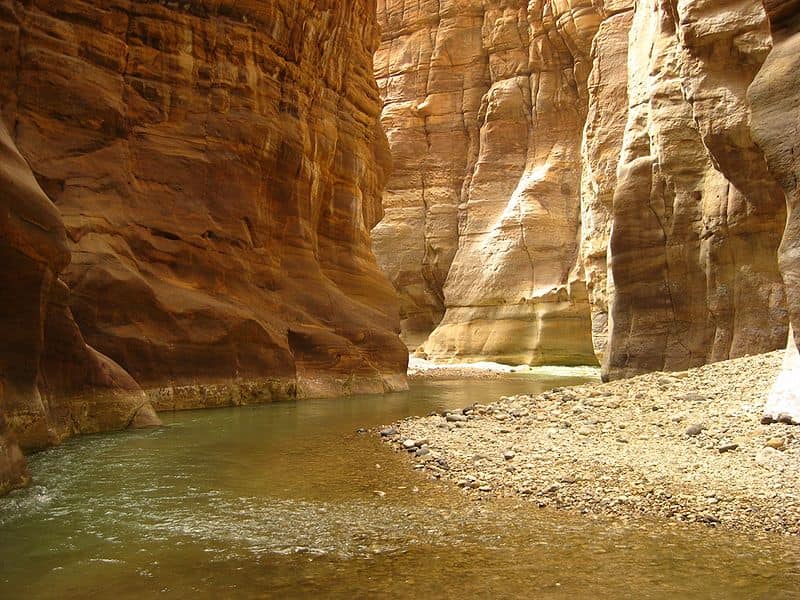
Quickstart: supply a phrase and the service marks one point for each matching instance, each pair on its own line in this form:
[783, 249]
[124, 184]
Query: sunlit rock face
[553, 155]
[775, 100]
[218, 166]
[696, 218]
[432, 72]
[484, 106]
[602, 144]
[51, 383]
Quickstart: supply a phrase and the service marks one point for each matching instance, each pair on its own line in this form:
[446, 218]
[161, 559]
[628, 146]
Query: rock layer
[218, 166]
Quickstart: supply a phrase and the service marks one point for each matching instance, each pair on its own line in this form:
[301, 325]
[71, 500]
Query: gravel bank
[687, 446]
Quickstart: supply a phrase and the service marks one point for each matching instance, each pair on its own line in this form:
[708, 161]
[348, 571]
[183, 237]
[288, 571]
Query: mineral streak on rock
[218, 166]
[602, 144]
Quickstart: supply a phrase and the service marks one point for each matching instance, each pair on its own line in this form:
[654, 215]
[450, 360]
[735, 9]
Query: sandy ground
[420, 368]
[688, 446]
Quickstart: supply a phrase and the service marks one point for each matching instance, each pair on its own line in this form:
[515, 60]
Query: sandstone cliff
[775, 100]
[51, 383]
[485, 103]
[609, 169]
[697, 218]
[218, 166]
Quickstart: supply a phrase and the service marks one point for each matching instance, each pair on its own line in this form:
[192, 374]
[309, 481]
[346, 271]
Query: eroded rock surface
[554, 155]
[218, 166]
[485, 104]
[51, 383]
[697, 218]
[775, 99]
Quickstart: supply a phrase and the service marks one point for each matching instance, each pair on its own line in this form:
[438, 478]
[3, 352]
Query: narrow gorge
[403, 207]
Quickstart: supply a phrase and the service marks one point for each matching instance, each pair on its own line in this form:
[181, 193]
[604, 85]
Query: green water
[279, 501]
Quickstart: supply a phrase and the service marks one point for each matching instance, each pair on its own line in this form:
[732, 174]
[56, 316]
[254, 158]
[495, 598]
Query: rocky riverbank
[688, 446]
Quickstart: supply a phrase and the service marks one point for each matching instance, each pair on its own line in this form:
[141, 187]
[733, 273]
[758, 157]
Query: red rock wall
[218, 166]
[51, 383]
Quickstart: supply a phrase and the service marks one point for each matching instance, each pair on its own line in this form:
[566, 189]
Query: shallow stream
[280, 501]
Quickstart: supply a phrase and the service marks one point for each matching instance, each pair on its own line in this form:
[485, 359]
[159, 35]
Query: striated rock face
[485, 104]
[51, 383]
[697, 218]
[218, 166]
[775, 100]
[432, 71]
[602, 145]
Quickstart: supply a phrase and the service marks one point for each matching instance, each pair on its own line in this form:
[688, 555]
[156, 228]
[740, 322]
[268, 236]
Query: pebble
[509, 454]
[777, 443]
[694, 430]
[410, 444]
[455, 418]
[727, 448]
[388, 432]
[770, 458]
[693, 398]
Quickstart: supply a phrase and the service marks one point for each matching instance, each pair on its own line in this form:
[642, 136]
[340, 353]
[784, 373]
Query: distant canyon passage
[578, 179]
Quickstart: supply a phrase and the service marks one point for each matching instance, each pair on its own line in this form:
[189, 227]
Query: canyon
[219, 203]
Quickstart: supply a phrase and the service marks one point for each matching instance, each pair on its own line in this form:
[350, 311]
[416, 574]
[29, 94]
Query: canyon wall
[51, 383]
[697, 217]
[218, 166]
[775, 100]
[607, 182]
[484, 108]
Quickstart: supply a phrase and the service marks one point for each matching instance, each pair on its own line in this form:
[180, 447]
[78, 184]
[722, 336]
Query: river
[289, 500]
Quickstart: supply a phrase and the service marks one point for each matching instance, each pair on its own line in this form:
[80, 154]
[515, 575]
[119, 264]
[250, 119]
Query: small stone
[379, 493]
[694, 430]
[485, 488]
[767, 420]
[509, 454]
[455, 418]
[422, 452]
[585, 431]
[361, 431]
[777, 443]
[727, 448]
[410, 444]
[693, 398]
[388, 432]
[770, 458]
